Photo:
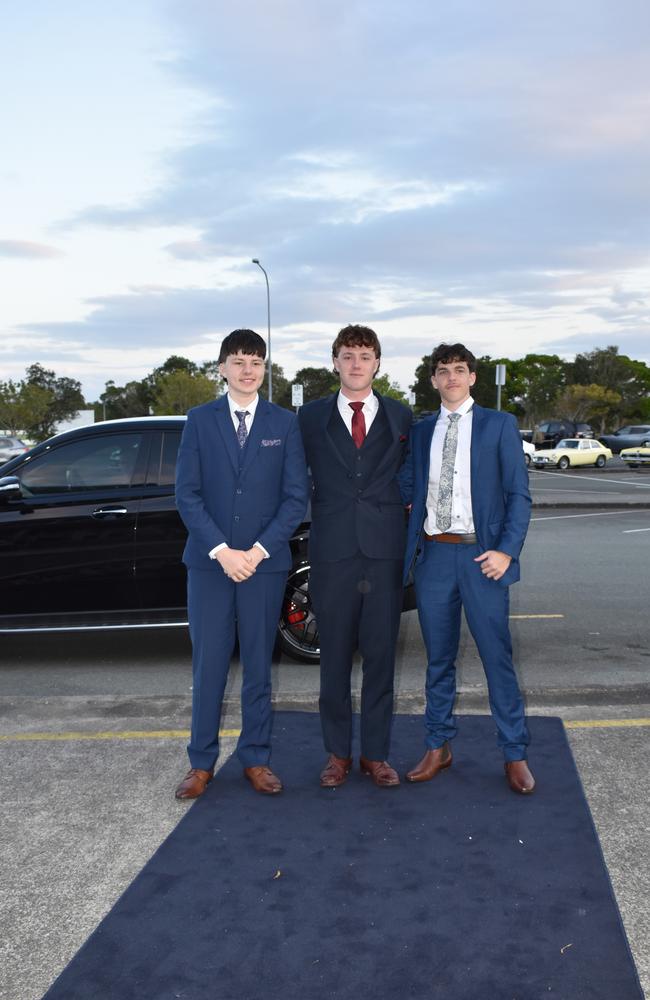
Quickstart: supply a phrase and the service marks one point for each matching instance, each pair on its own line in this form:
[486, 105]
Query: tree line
[601, 387]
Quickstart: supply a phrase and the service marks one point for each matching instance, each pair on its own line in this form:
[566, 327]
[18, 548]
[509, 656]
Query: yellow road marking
[135, 734]
[605, 723]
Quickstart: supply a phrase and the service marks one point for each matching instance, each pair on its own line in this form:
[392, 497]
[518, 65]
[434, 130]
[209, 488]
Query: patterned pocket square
[270, 442]
[403, 437]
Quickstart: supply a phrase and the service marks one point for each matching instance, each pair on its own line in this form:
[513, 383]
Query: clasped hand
[238, 564]
[493, 564]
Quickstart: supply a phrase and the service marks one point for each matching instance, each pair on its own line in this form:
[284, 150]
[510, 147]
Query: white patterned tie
[242, 433]
[446, 483]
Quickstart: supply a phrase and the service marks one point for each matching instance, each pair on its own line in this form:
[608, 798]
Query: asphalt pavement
[93, 728]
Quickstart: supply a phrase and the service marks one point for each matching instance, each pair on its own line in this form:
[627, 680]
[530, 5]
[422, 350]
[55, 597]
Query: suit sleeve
[517, 497]
[294, 495]
[189, 496]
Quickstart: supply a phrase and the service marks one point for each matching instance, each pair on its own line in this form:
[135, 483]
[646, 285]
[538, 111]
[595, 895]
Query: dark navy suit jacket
[501, 499]
[355, 512]
[222, 498]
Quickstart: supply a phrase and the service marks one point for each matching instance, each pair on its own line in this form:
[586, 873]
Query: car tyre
[297, 628]
[527, 458]
[600, 462]
[563, 463]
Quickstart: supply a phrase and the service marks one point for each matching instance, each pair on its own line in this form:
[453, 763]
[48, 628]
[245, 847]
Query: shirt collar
[370, 402]
[462, 409]
[251, 407]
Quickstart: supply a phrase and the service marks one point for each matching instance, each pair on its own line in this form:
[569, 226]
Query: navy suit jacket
[351, 514]
[501, 499]
[263, 501]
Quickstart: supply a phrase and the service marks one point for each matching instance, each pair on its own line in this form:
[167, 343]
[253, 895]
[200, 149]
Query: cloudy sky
[467, 170]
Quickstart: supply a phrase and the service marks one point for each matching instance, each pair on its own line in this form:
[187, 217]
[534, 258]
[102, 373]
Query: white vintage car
[572, 452]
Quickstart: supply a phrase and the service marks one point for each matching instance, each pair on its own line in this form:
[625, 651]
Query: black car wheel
[297, 628]
[564, 463]
[600, 461]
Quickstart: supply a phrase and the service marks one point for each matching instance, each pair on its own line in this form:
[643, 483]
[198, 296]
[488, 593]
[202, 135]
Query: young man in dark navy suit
[355, 442]
[466, 479]
[241, 490]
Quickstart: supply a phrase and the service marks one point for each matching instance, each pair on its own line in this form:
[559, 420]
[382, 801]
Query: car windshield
[568, 443]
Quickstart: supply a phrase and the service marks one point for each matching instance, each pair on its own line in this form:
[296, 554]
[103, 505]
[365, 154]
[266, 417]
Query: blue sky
[469, 170]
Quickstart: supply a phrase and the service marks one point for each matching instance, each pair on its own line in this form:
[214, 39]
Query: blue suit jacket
[263, 501]
[500, 496]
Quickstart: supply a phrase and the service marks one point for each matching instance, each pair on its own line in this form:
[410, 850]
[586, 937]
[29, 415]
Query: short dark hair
[444, 354]
[354, 335]
[246, 341]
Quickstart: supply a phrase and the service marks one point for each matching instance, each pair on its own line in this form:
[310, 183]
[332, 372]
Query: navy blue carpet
[456, 889]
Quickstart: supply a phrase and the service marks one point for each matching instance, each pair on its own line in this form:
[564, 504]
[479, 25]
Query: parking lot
[93, 726]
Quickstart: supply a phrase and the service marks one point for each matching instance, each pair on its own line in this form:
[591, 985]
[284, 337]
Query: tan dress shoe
[380, 771]
[433, 762]
[335, 771]
[194, 783]
[263, 780]
[519, 777]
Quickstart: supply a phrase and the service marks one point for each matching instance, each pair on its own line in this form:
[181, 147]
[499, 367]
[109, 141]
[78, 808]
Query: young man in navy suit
[466, 479]
[355, 442]
[241, 490]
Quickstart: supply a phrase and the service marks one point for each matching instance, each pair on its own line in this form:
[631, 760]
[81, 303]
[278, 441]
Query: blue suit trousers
[446, 579]
[221, 609]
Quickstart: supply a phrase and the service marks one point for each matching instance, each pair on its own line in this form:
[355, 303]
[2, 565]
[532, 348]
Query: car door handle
[109, 512]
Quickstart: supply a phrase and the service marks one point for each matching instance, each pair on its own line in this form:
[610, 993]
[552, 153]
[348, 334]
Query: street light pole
[268, 323]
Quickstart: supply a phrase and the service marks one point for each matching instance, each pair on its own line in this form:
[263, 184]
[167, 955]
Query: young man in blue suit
[466, 481]
[241, 490]
[355, 442]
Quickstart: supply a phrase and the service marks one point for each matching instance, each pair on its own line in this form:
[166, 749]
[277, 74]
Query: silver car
[10, 447]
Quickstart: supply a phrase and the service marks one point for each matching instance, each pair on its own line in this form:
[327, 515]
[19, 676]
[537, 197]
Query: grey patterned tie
[446, 483]
[242, 433]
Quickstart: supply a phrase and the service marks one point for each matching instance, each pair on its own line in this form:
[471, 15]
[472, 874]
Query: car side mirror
[10, 489]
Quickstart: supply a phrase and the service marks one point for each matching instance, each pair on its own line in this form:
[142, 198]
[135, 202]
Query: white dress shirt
[248, 420]
[370, 407]
[462, 521]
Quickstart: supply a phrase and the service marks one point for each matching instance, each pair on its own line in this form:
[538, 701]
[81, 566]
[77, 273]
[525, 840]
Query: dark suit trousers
[358, 602]
[217, 606]
[446, 578]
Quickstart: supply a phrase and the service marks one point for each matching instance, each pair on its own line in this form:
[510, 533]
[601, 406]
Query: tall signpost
[268, 323]
[500, 379]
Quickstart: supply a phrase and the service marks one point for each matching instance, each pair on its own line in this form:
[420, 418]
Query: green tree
[426, 397]
[316, 382]
[385, 387]
[591, 403]
[24, 408]
[533, 385]
[131, 400]
[67, 399]
[611, 370]
[281, 387]
[179, 391]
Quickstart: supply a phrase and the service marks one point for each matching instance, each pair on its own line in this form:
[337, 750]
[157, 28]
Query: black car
[549, 432]
[90, 537]
[631, 436]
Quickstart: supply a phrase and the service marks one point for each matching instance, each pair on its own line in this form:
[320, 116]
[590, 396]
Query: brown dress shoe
[433, 762]
[519, 777]
[194, 783]
[380, 771]
[335, 771]
[263, 780]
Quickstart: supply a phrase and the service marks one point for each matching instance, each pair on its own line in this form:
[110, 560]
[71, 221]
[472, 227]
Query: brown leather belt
[447, 536]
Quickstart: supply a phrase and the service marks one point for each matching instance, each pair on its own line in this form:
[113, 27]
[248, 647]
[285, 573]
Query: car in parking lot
[90, 537]
[634, 457]
[10, 447]
[549, 433]
[629, 436]
[529, 450]
[572, 452]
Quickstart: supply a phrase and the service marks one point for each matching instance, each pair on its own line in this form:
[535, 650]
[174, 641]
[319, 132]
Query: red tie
[358, 424]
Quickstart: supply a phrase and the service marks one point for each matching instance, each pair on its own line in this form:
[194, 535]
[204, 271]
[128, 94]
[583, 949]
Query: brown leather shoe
[194, 783]
[519, 777]
[263, 779]
[380, 771]
[335, 771]
[433, 762]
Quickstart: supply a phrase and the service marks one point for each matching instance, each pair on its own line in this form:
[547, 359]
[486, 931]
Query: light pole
[268, 323]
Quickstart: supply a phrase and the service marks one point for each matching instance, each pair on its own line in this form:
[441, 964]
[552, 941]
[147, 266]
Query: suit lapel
[425, 456]
[227, 430]
[478, 428]
[330, 412]
[394, 433]
[260, 429]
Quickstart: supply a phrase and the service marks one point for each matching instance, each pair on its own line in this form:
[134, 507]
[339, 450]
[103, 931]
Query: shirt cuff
[258, 545]
[213, 552]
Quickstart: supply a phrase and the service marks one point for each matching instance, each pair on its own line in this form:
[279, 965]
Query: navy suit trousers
[218, 607]
[446, 578]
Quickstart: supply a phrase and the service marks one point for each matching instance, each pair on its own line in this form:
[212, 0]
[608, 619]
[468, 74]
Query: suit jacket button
[236, 517]
[238, 492]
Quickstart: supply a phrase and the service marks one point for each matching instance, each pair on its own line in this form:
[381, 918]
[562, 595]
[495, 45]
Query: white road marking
[604, 513]
[633, 531]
